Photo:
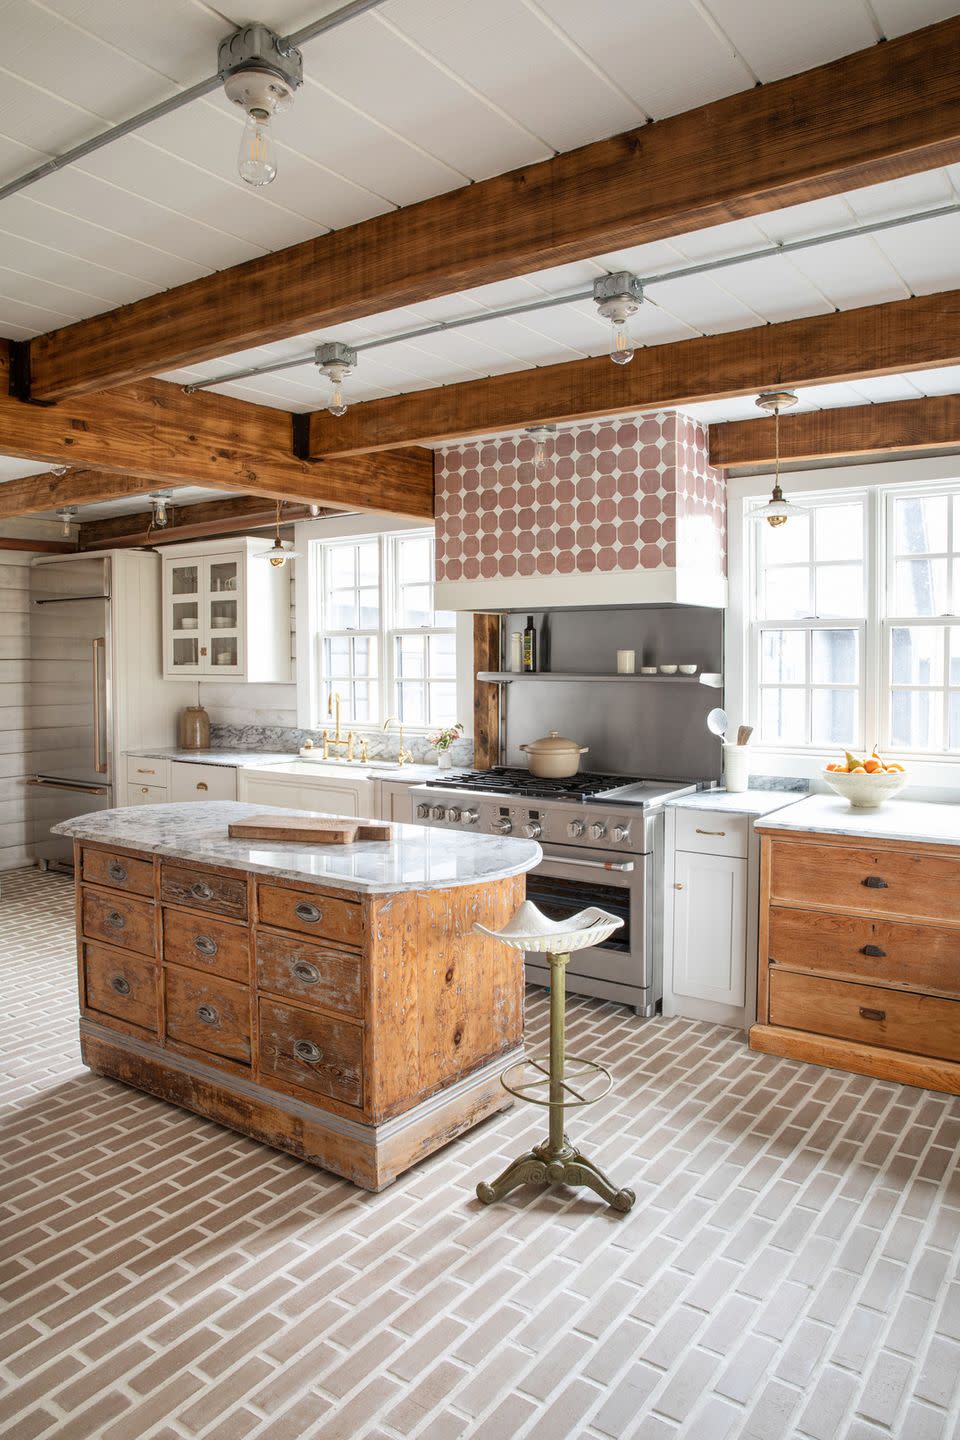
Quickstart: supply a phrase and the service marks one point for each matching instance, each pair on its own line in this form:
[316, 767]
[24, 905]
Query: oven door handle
[626, 866]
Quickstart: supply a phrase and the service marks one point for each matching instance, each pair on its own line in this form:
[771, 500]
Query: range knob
[470, 817]
[598, 831]
[439, 813]
[503, 826]
[423, 812]
[575, 829]
[453, 813]
[532, 829]
[621, 832]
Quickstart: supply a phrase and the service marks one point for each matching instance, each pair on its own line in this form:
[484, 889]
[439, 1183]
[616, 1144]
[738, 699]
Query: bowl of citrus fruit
[866, 781]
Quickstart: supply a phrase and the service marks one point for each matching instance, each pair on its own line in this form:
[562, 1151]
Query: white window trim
[743, 494]
[307, 581]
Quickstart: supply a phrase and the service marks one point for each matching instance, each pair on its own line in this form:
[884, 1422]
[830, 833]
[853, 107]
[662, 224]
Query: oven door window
[558, 899]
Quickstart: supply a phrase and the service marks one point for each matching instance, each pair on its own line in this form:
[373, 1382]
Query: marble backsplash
[381, 745]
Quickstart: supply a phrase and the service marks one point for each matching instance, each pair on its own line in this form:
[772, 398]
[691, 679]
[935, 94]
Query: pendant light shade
[279, 553]
[777, 511]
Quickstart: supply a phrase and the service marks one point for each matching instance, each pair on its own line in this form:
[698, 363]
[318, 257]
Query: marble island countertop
[917, 821]
[417, 858]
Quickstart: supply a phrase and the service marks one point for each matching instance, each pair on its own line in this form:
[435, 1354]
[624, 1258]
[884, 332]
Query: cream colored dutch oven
[554, 757]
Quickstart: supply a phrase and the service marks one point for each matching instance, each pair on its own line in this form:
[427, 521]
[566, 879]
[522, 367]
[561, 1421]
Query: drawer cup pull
[868, 1014]
[208, 1015]
[308, 1052]
[121, 985]
[306, 973]
[874, 951]
[116, 920]
[116, 871]
[698, 831]
[201, 891]
[873, 882]
[206, 946]
[310, 913]
[202, 785]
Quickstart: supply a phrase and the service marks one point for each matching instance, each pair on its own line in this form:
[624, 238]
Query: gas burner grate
[506, 780]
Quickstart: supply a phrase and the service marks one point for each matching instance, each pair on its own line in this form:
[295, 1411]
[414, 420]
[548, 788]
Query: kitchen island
[332, 1001]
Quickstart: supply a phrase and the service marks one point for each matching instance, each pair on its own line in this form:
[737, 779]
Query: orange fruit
[859, 770]
[872, 765]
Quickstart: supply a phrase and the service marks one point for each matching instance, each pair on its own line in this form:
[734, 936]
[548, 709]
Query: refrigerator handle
[99, 745]
[67, 785]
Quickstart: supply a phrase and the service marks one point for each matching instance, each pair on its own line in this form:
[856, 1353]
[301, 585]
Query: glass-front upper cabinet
[226, 612]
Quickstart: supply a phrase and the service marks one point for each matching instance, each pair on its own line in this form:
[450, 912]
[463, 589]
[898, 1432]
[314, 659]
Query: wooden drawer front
[204, 890]
[311, 1050]
[121, 985]
[896, 1019]
[119, 871]
[713, 832]
[316, 915]
[119, 920]
[209, 945]
[855, 877]
[316, 974]
[208, 1013]
[857, 948]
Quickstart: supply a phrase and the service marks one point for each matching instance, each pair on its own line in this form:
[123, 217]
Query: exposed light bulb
[337, 404]
[621, 346]
[617, 297]
[257, 158]
[65, 516]
[160, 516]
[336, 361]
[540, 435]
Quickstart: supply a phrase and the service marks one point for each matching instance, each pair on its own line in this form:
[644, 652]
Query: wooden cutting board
[323, 830]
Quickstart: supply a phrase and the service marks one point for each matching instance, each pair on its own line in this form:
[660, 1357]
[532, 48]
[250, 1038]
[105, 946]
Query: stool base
[548, 1164]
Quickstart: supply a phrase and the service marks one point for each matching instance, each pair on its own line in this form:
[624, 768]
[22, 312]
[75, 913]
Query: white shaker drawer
[147, 794]
[202, 782]
[146, 770]
[712, 832]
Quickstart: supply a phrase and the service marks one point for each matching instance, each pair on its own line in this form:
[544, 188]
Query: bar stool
[565, 1081]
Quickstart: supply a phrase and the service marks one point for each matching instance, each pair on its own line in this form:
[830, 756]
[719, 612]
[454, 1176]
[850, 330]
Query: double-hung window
[381, 645]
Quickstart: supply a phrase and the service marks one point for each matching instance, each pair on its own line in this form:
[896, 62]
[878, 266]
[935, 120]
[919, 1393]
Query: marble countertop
[910, 820]
[236, 759]
[417, 858]
[264, 759]
[746, 802]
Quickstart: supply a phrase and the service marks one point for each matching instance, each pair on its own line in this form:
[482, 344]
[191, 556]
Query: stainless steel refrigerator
[71, 696]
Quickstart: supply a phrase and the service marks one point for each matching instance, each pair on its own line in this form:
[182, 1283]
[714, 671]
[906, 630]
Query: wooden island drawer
[867, 1014]
[207, 1013]
[119, 920]
[857, 877]
[120, 985]
[854, 947]
[214, 946]
[204, 890]
[318, 915]
[118, 870]
[311, 1050]
[315, 974]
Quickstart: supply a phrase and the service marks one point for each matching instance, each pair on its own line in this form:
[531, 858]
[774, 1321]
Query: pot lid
[553, 744]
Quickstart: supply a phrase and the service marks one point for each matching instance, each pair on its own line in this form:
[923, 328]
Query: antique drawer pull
[116, 920]
[457, 1036]
[873, 882]
[201, 891]
[449, 975]
[309, 913]
[116, 871]
[121, 985]
[873, 950]
[208, 1015]
[202, 785]
[308, 1052]
[305, 972]
[869, 1014]
[206, 945]
[698, 831]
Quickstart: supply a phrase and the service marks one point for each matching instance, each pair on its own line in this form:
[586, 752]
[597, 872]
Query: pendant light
[617, 297]
[279, 553]
[540, 435]
[260, 74]
[336, 361]
[777, 511]
[65, 516]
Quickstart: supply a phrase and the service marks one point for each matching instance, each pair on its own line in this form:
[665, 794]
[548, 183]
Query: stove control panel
[570, 825]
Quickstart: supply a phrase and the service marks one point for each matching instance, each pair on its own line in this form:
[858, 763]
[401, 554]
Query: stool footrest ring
[588, 1072]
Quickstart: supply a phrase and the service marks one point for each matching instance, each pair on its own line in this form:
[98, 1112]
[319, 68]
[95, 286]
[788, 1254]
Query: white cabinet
[146, 795]
[395, 801]
[301, 788]
[202, 782]
[226, 612]
[710, 916]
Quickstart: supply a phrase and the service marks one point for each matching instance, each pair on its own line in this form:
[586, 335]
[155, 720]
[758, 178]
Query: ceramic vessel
[554, 757]
[865, 792]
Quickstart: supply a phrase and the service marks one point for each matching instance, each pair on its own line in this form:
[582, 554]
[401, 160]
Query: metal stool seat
[564, 1081]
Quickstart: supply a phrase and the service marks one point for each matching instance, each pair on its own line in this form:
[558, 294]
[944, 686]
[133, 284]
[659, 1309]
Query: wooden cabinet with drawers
[860, 956]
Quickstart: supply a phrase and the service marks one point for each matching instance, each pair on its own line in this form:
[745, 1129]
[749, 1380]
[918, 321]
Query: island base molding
[371, 1156]
[873, 1060]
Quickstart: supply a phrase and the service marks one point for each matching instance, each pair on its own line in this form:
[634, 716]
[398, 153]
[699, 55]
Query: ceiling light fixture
[159, 500]
[617, 297]
[336, 361]
[777, 511]
[260, 73]
[279, 553]
[540, 435]
[59, 469]
[65, 516]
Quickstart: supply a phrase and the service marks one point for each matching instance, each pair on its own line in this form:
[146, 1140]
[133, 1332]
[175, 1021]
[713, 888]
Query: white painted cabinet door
[395, 802]
[709, 927]
[334, 797]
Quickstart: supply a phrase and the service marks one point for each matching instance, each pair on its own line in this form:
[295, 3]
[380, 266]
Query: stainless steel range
[602, 839]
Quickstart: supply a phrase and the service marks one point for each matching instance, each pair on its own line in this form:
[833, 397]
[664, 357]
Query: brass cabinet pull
[142, 771]
[873, 950]
[202, 785]
[116, 871]
[201, 891]
[306, 973]
[116, 920]
[121, 985]
[869, 1014]
[208, 1015]
[698, 831]
[206, 945]
[308, 1052]
[310, 913]
[678, 884]
[873, 882]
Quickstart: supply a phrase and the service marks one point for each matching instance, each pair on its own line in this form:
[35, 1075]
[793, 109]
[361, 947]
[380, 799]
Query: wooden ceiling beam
[888, 111]
[204, 519]
[35, 494]
[153, 431]
[905, 335]
[930, 423]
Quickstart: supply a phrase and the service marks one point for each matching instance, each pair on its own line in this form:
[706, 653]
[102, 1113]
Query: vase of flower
[442, 742]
